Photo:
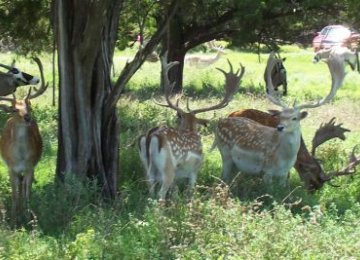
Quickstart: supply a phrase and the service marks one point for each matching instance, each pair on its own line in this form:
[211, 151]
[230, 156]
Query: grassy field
[72, 222]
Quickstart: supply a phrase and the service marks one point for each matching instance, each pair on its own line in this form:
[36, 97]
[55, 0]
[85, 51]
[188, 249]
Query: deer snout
[316, 59]
[280, 128]
[34, 81]
[27, 118]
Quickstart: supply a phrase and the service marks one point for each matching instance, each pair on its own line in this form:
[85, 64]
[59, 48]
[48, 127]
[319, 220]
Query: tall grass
[70, 220]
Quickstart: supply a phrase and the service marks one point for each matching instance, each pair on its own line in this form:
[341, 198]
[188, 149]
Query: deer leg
[15, 196]
[227, 168]
[27, 183]
[285, 90]
[168, 176]
[152, 183]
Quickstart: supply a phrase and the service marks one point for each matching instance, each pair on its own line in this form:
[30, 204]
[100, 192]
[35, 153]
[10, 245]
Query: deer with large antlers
[264, 151]
[307, 165]
[21, 146]
[278, 75]
[201, 62]
[13, 79]
[168, 153]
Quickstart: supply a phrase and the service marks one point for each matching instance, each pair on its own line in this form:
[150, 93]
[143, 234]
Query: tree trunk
[89, 127]
[173, 45]
[88, 138]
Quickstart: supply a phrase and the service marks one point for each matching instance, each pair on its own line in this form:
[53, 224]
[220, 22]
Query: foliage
[25, 26]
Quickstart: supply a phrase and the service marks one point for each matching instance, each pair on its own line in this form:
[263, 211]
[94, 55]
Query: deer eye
[294, 119]
[15, 70]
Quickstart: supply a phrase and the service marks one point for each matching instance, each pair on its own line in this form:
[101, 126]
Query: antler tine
[232, 82]
[7, 99]
[43, 86]
[177, 98]
[5, 66]
[337, 72]
[327, 131]
[271, 95]
[6, 109]
[347, 170]
[168, 87]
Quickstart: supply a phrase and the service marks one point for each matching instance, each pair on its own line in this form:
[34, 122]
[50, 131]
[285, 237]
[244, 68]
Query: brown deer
[264, 151]
[308, 167]
[21, 146]
[168, 153]
[13, 79]
[278, 75]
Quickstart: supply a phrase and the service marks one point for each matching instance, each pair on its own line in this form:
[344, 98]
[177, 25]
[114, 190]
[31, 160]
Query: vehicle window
[339, 32]
[324, 31]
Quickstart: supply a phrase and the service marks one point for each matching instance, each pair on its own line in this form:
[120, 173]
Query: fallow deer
[278, 75]
[264, 151]
[346, 55]
[13, 79]
[168, 153]
[307, 165]
[201, 62]
[21, 146]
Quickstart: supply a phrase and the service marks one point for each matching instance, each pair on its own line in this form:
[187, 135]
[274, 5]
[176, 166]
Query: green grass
[70, 221]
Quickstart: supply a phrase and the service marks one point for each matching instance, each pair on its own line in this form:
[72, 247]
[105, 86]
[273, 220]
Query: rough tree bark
[89, 128]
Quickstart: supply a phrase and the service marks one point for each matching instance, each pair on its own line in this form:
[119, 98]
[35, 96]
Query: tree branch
[131, 67]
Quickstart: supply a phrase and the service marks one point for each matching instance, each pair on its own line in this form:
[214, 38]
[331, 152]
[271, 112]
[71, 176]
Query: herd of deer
[253, 142]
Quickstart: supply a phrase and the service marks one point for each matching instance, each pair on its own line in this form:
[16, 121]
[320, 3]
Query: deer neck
[289, 143]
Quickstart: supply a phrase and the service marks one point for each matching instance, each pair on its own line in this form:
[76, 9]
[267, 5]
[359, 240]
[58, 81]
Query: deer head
[21, 108]
[188, 119]
[14, 78]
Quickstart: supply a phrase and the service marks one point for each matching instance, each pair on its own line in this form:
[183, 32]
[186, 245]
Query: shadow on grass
[206, 91]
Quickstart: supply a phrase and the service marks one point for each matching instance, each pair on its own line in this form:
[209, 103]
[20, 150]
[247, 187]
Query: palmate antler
[349, 169]
[232, 82]
[327, 132]
[231, 87]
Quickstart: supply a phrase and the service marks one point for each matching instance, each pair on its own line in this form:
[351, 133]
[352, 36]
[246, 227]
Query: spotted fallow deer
[21, 146]
[278, 75]
[307, 165]
[13, 79]
[264, 151]
[201, 62]
[168, 153]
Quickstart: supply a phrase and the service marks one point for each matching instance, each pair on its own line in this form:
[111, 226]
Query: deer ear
[274, 112]
[303, 115]
[203, 122]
